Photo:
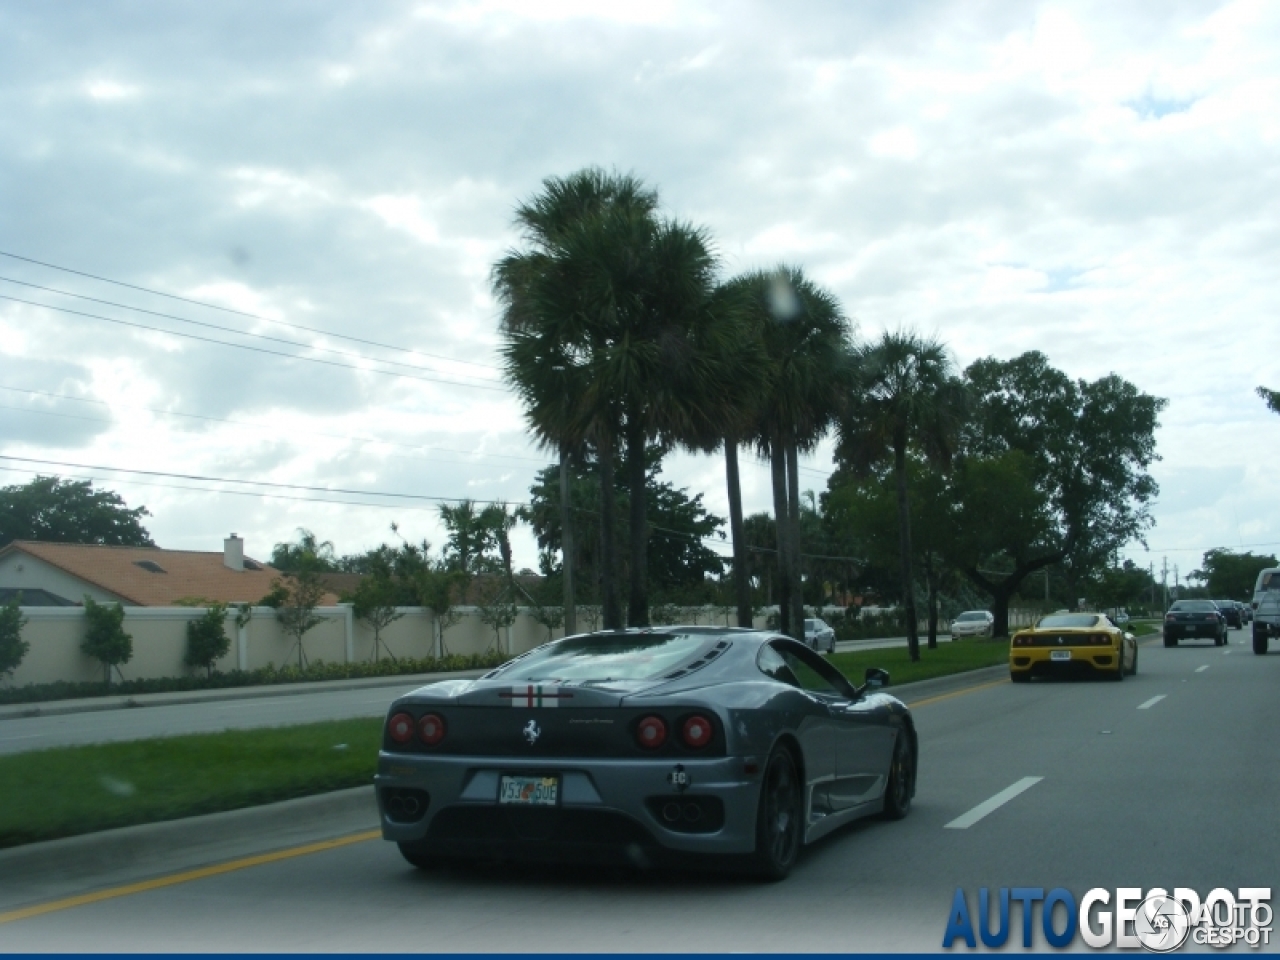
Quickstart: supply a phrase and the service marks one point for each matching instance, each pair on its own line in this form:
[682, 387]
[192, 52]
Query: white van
[1266, 608]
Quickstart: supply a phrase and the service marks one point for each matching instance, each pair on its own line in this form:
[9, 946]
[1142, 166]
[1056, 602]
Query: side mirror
[876, 678]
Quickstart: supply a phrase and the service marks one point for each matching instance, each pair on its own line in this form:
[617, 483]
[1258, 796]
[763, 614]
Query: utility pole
[1164, 581]
[1177, 583]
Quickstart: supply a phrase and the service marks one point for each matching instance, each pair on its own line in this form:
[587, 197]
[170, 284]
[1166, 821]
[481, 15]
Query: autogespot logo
[1155, 920]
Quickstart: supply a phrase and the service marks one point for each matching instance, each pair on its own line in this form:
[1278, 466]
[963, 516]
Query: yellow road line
[186, 877]
[956, 693]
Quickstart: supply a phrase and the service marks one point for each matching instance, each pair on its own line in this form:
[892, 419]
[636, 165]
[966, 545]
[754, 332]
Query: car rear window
[611, 657]
[974, 615]
[1194, 606]
[1068, 620]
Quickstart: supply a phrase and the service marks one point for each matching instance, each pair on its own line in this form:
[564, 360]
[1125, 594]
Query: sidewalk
[52, 708]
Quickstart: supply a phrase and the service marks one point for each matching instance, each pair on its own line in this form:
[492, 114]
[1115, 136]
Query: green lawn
[56, 793]
[955, 656]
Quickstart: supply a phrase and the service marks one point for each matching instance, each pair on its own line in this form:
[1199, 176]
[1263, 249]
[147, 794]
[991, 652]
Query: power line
[245, 346]
[231, 330]
[245, 423]
[242, 313]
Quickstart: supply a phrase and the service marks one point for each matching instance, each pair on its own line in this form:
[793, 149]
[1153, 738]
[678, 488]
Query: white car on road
[819, 636]
[973, 623]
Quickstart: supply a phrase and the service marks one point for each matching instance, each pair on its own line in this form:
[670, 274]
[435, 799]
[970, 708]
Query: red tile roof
[183, 574]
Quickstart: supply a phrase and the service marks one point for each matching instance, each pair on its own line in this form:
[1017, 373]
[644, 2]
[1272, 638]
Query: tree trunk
[638, 605]
[566, 545]
[793, 521]
[904, 548]
[931, 578]
[741, 584]
[611, 604]
[778, 469]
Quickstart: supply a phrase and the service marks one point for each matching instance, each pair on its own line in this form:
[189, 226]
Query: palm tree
[629, 347]
[806, 338]
[545, 327]
[908, 397]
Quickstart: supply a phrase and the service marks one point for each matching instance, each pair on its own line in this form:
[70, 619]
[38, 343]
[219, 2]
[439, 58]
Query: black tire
[1020, 676]
[831, 647]
[417, 856]
[1118, 675]
[779, 819]
[1133, 670]
[1259, 641]
[902, 780]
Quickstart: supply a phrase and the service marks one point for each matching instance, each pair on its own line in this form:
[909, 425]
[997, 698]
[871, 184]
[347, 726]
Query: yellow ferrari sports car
[1072, 644]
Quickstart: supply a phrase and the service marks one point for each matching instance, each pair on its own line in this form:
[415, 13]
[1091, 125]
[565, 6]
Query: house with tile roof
[136, 576]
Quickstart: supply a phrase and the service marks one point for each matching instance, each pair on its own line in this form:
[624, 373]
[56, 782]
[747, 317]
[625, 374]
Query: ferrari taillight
[431, 729]
[400, 727]
[651, 732]
[696, 731]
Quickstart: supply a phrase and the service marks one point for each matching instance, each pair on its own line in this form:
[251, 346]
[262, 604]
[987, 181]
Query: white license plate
[1059, 654]
[529, 791]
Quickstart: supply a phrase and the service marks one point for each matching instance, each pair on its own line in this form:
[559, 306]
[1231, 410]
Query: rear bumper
[1193, 631]
[609, 810]
[1039, 662]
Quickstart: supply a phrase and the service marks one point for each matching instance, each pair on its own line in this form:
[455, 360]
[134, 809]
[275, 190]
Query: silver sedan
[973, 623]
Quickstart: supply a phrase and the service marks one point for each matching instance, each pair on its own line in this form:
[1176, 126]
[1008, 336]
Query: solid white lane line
[1202, 669]
[967, 820]
[1152, 702]
[25, 736]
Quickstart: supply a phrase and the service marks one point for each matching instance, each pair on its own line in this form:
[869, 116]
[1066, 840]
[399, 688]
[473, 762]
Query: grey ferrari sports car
[644, 746]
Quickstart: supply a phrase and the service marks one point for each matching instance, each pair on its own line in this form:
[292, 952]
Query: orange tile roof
[187, 573]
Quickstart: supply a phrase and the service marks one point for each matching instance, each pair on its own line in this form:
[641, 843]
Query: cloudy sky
[1096, 181]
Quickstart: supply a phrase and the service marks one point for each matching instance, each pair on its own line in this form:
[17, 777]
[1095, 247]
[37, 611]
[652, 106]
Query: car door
[863, 736]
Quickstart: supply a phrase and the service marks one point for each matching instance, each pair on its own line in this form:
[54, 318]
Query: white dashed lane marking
[1152, 702]
[1202, 669]
[987, 806]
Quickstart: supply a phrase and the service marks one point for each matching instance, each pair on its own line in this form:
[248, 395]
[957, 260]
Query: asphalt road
[1167, 779]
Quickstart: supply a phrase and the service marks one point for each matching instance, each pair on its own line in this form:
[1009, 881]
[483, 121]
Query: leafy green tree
[1272, 398]
[105, 640]
[12, 647]
[69, 511]
[377, 597]
[308, 551]
[1086, 447]
[470, 539]
[207, 640]
[680, 562]
[1231, 576]
[908, 399]
[1125, 585]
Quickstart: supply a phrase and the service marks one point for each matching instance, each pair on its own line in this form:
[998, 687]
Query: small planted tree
[105, 639]
[303, 592]
[375, 599]
[435, 589]
[499, 614]
[550, 617]
[12, 647]
[207, 640]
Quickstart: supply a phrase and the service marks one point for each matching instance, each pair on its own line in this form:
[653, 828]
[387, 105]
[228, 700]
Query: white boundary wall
[160, 639]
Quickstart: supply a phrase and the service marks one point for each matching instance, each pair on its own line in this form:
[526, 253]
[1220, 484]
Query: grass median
[955, 656]
[65, 791]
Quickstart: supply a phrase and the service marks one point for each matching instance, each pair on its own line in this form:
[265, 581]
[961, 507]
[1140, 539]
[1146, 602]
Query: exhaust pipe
[693, 812]
[410, 806]
[395, 804]
[671, 812]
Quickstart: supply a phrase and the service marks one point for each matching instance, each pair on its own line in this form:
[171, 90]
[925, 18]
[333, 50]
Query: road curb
[921, 689]
[54, 708]
[38, 871]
